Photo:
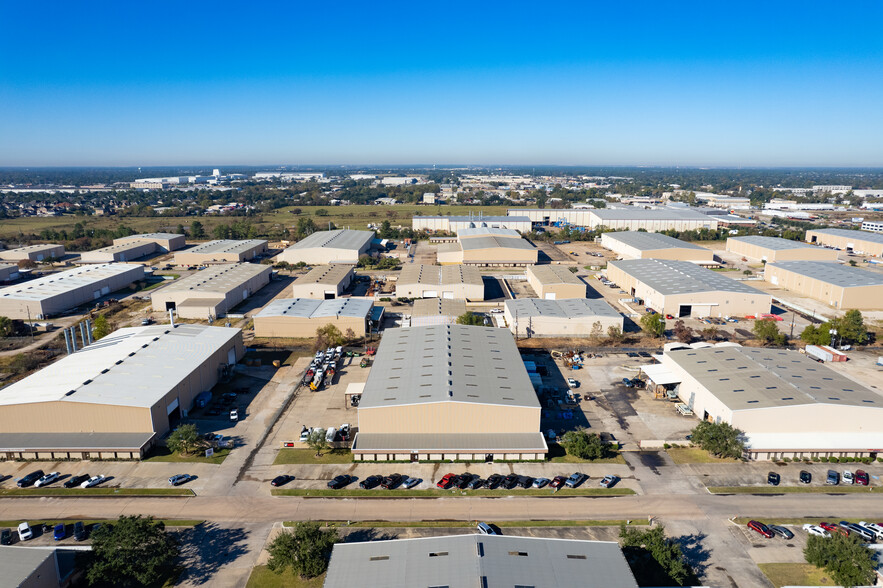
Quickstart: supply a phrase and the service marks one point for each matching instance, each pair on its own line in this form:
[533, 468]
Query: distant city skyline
[692, 85]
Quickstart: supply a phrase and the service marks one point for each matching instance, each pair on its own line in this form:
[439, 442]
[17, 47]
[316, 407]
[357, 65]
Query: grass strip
[788, 489]
[464, 524]
[432, 493]
[685, 455]
[80, 492]
[287, 456]
[161, 454]
[263, 577]
[795, 574]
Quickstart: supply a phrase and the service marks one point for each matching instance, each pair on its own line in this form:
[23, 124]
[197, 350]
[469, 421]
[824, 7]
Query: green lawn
[288, 456]
[263, 577]
[161, 453]
[795, 574]
[466, 524]
[79, 492]
[682, 455]
[167, 522]
[435, 493]
[788, 489]
[558, 455]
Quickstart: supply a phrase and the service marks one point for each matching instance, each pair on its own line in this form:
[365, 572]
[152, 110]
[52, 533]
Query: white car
[572, 383]
[874, 528]
[305, 434]
[47, 479]
[234, 415]
[848, 477]
[93, 481]
[816, 530]
[25, 532]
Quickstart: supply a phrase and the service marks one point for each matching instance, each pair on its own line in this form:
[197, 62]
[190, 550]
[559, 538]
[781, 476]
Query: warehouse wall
[560, 327]
[855, 243]
[499, 256]
[323, 255]
[862, 298]
[290, 326]
[449, 417]
[187, 258]
[131, 250]
[73, 417]
[759, 253]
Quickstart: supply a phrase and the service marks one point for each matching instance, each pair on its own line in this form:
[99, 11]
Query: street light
[833, 333]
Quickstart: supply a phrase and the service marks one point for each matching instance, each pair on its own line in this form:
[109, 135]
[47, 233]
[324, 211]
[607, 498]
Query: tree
[196, 230]
[327, 336]
[180, 229]
[7, 327]
[133, 551]
[768, 333]
[597, 331]
[849, 562]
[720, 439]
[653, 324]
[317, 441]
[470, 318]
[851, 327]
[321, 212]
[654, 558]
[184, 439]
[683, 333]
[816, 335]
[614, 333]
[350, 335]
[305, 227]
[26, 264]
[584, 445]
[305, 550]
[573, 269]
[100, 328]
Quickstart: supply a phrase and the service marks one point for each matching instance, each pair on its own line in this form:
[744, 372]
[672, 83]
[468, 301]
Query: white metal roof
[660, 374]
[831, 273]
[312, 308]
[52, 285]
[336, 239]
[566, 308]
[225, 246]
[643, 241]
[772, 243]
[219, 279]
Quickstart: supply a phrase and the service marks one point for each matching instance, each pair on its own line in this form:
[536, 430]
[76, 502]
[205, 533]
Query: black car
[79, 531]
[463, 480]
[391, 481]
[5, 537]
[805, 477]
[370, 482]
[339, 482]
[525, 481]
[475, 484]
[30, 479]
[281, 480]
[510, 481]
[75, 481]
[773, 479]
[493, 481]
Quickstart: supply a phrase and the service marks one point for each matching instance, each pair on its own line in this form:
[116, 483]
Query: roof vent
[69, 393]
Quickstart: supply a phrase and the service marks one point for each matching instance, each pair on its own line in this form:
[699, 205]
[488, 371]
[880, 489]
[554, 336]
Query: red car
[771, 317]
[759, 527]
[834, 528]
[446, 481]
[557, 482]
[669, 317]
[861, 478]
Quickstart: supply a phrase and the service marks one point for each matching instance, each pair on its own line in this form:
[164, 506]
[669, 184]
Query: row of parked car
[59, 532]
[860, 477]
[469, 481]
[38, 479]
[866, 531]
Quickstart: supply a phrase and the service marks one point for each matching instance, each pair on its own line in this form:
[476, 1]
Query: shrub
[824, 459]
[786, 459]
[834, 459]
[816, 458]
[666, 446]
[386, 299]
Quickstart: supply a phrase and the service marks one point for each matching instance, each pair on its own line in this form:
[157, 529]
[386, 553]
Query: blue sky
[656, 83]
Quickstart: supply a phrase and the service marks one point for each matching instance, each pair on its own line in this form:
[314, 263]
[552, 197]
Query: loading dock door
[231, 356]
[430, 294]
[330, 294]
[684, 310]
[448, 295]
[550, 296]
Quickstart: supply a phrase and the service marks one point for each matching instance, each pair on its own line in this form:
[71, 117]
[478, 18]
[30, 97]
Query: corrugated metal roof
[33, 248]
[219, 279]
[225, 246]
[73, 441]
[831, 272]
[772, 243]
[487, 231]
[336, 239]
[164, 236]
[548, 275]
[19, 564]
[648, 214]
[52, 285]
[118, 247]
[515, 442]
[491, 242]
[679, 277]
[438, 307]
[567, 308]
[850, 234]
[312, 308]
[446, 275]
[650, 241]
[331, 275]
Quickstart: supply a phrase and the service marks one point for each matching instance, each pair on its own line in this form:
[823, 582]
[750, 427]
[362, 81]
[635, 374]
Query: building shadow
[206, 548]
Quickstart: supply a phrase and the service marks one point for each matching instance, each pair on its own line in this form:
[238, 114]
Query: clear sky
[633, 83]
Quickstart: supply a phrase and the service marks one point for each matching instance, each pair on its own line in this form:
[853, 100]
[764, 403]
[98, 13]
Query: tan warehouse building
[432, 281]
[323, 282]
[33, 253]
[861, 242]
[555, 282]
[212, 292]
[114, 398]
[448, 392]
[575, 317]
[54, 294]
[455, 224]
[222, 251]
[621, 219]
[164, 242]
[489, 247]
[771, 249]
[9, 272]
[300, 317]
[122, 252]
[787, 404]
[324, 247]
[436, 311]
[682, 289]
[839, 286]
[641, 245]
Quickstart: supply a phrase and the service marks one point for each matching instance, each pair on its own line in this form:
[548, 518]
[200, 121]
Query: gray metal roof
[491, 242]
[483, 561]
[118, 247]
[448, 363]
[33, 248]
[491, 231]
[748, 378]
[312, 308]
[477, 219]
[336, 239]
[679, 277]
[19, 563]
[332, 274]
[440, 275]
[772, 243]
[152, 236]
[438, 307]
[850, 234]
[650, 241]
[648, 214]
[554, 274]
[226, 246]
[217, 278]
[568, 308]
[466, 442]
[73, 441]
[52, 285]
[831, 272]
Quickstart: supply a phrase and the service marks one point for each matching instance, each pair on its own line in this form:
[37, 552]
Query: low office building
[555, 282]
[323, 247]
[627, 219]
[54, 294]
[771, 249]
[33, 253]
[447, 393]
[113, 399]
[787, 404]
[164, 242]
[682, 289]
[575, 317]
[436, 311]
[213, 292]
[9, 272]
[432, 281]
[847, 240]
[38, 567]
[840, 286]
[641, 245]
[119, 252]
[488, 247]
[483, 561]
[455, 224]
[323, 282]
[221, 251]
[300, 317]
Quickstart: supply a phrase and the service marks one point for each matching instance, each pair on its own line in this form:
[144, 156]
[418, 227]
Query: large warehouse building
[771, 249]
[113, 399]
[323, 247]
[787, 404]
[488, 246]
[455, 224]
[212, 292]
[53, 294]
[300, 317]
[555, 282]
[33, 253]
[164, 242]
[448, 392]
[432, 281]
[575, 317]
[842, 287]
[119, 252]
[9, 272]
[627, 219]
[221, 251]
[641, 245]
[324, 282]
[847, 240]
[436, 311]
[682, 289]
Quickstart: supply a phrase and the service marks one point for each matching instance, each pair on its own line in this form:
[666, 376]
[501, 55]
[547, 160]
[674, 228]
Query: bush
[880, 459]
[584, 445]
[834, 459]
[720, 439]
[786, 459]
[386, 299]
[816, 458]
[824, 459]
[666, 446]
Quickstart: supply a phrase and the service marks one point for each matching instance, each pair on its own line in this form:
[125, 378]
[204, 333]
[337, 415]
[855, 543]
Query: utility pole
[792, 325]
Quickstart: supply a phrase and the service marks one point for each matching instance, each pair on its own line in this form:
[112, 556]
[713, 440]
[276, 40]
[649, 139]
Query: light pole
[833, 333]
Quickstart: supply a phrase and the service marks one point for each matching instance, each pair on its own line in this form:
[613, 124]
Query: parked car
[866, 534]
[462, 480]
[391, 481]
[833, 478]
[805, 477]
[782, 531]
[281, 480]
[179, 479]
[816, 530]
[30, 479]
[832, 528]
[370, 482]
[75, 481]
[773, 479]
[557, 481]
[485, 529]
[46, 480]
[5, 537]
[541, 482]
[305, 434]
[848, 477]
[525, 481]
[862, 478]
[493, 481]
[446, 482]
[608, 481]
[79, 531]
[338, 482]
[93, 481]
[24, 532]
[875, 527]
[58, 532]
[234, 415]
[572, 383]
[627, 383]
[475, 483]
[759, 527]
[510, 481]
[574, 480]
[411, 482]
